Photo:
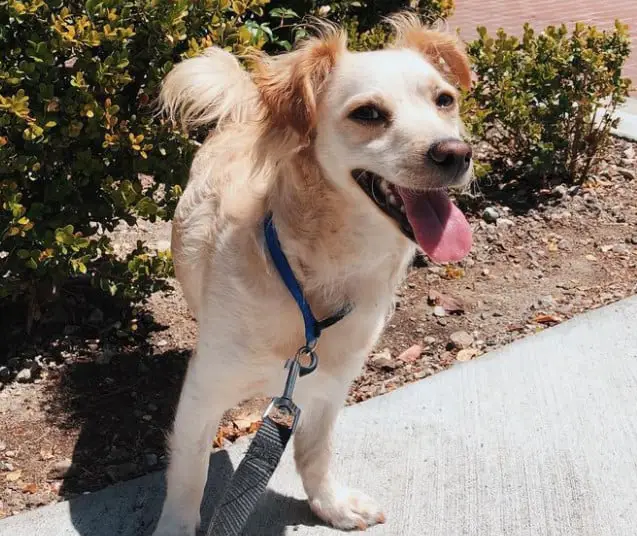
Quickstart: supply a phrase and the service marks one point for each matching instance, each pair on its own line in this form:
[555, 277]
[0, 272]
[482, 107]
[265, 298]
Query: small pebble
[60, 469]
[383, 360]
[490, 215]
[5, 374]
[461, 340]
[25, 376]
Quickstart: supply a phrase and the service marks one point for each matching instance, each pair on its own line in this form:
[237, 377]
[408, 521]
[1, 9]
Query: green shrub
[78, 134]
[546, 101]
[363, 20]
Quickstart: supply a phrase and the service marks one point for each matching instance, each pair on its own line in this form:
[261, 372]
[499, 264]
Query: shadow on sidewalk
[133, 508]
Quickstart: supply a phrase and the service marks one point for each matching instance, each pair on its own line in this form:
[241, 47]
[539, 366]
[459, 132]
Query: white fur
[206, 89]
[339, 244]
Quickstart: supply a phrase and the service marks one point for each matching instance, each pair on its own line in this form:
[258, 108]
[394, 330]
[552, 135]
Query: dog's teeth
[392, 199]
[402, 209]
[384, 187]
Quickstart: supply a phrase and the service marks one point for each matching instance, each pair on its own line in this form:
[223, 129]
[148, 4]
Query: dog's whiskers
[376, 200]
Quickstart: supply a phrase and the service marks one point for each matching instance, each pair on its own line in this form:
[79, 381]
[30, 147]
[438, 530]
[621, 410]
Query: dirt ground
[90, 405]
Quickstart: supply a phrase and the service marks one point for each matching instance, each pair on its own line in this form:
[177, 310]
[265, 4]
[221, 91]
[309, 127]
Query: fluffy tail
[212, 88]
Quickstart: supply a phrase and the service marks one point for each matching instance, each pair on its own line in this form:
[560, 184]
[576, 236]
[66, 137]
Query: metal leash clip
[282, 410]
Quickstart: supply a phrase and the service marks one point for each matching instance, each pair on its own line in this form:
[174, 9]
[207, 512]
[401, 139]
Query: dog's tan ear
[290, 84]
[443, 49]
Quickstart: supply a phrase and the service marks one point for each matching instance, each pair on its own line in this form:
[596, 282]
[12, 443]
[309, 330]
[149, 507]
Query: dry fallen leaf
[13, 475]
[255, 426]
[453, 272]
[30, 488]
[547, 319]
[242, 424]
[449, 303]
[225, 432]
[238, 427]
[593, 184]
[596, 183]
[411, 354]
[246, 421]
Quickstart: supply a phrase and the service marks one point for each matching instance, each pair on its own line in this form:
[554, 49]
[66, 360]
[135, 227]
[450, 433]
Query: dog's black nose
[451, 154]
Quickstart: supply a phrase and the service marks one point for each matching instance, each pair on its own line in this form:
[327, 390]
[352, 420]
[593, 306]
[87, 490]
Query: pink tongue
[441, 229]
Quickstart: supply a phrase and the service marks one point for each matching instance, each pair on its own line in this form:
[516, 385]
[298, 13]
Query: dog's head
[385, 123]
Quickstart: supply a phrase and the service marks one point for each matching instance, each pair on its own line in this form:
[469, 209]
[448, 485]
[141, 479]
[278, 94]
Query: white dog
[352, 154]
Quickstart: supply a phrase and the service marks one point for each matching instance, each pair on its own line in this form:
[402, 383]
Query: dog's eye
[444, 100]
[368, 114]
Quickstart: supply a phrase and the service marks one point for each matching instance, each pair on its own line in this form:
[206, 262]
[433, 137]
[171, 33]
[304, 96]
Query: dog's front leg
[336, 504]
[209, 389]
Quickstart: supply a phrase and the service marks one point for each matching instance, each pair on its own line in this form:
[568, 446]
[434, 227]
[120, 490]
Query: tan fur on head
[437, 46]
[290, 84]
[213, 88]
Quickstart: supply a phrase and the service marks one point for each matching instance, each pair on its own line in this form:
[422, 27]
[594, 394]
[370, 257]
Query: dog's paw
[347, 509]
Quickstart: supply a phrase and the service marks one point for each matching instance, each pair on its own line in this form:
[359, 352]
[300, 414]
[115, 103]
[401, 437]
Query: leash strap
[251, 478]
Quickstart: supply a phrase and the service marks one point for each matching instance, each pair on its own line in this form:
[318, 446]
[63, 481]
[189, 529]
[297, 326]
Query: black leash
[251, 478]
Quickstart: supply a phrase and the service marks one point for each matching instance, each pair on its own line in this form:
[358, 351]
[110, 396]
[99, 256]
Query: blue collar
[313, 327]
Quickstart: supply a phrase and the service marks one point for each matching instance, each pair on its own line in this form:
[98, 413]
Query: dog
[352, 153]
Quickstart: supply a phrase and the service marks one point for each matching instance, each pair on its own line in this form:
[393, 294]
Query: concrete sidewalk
[537, 439]
[627, 126]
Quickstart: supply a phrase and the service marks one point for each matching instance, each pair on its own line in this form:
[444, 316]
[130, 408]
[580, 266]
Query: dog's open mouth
[386, 197]
[429, 218]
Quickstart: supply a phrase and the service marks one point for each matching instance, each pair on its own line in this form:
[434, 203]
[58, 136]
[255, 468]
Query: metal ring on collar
[307, 350]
